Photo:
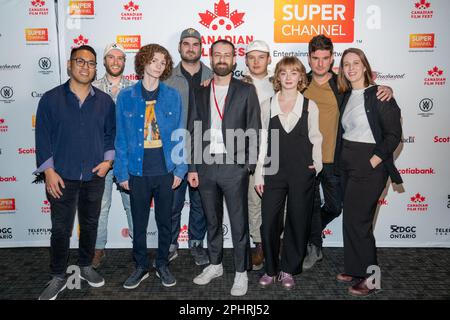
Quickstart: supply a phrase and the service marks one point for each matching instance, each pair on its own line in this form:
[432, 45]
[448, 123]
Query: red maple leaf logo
[2, 121]
[327, 232]
[131, 6]
[221, 17]
[417, 198]
[184, 228]
[80, 40]
[46, 203]
[435, 72]
[38, 3]
[423, 4]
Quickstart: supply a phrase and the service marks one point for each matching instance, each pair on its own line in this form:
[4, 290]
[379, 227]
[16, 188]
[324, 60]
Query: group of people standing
[264, 144]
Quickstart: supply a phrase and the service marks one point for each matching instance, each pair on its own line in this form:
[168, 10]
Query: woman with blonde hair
[369, 132]
[291, 125]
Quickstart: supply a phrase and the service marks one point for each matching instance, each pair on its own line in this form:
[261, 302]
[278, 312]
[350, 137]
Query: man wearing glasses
[75, 131]
[112, 82]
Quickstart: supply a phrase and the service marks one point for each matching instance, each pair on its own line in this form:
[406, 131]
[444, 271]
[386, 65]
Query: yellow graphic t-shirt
[152, 137]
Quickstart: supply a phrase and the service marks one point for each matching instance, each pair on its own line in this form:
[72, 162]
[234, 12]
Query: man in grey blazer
[224, 123]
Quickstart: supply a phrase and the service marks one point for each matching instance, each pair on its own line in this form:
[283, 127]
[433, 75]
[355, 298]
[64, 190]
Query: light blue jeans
[102, 230]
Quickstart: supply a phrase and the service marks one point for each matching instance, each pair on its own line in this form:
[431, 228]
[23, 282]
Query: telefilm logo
[425, 106]
[442, 231]
[7, 94]
[421, 42]
[183, 236]
[221, 22]
[298, 22]
[82, 9]
[3, 126]
[37, 8]
[422, 10]
[80, 41]
[131, 12]
[417, 171]
[6, 233]
[45, 64]
[403, 232]
[34, 232]
[435, 77]
[131, 43]
[8, 205]
[417, 204]
[36, 36]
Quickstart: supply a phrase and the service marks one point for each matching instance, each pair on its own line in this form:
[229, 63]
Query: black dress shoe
[361, 289]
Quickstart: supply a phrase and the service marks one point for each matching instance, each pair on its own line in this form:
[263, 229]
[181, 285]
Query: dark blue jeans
[142, 191]
[332, 206]
[86, 197]
[197, 219]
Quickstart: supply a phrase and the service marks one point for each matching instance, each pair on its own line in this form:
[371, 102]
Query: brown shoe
[257, 257]
[342, 277]
[98, 257]
[360, 289]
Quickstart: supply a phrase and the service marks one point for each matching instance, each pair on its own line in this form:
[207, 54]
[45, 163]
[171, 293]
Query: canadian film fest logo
[298, 22]
[131, 12]
[38, 8]
[417, 203]
[3, 125]
[435, 77]
[421, 9]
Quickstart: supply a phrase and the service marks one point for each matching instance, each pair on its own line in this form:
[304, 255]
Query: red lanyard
[216, 103]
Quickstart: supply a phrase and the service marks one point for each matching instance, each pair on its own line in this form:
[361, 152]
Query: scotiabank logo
[438, 139]
[131, 43]
[131, 12]
[221, 18]
[299, 21]
[417, 203]
[37, 8]
[421, 40]
[183, 236]
[3, 126]
[26, 151]
[435, 77]
[36, 34]
[80, 41]
[7, 205]
[417, 171]
[382, 202]
[131, 77]
[8, 179]
[45, 208]
[81, 8]
[422, 10]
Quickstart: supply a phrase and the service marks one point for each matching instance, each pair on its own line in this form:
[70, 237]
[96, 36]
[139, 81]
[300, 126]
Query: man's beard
[222, 69]
[114, 73]
[186, 58]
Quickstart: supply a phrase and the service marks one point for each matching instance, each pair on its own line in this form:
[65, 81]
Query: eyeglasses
[81, 62]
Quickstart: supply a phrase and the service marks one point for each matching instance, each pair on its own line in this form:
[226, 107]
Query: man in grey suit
[224, 123]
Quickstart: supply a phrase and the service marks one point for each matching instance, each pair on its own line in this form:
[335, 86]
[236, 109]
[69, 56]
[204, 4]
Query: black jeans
[86, 196]
[332, 207]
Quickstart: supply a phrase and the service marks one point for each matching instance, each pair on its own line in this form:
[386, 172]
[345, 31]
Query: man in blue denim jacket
[150, 159]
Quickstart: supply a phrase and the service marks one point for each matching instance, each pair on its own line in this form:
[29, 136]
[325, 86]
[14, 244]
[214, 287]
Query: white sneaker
[240, 284]
[210, 272]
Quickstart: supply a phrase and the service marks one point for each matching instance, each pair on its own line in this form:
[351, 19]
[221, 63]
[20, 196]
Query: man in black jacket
[227, 114]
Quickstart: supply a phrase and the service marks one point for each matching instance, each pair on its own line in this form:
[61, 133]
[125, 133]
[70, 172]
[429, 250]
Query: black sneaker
[167, 278]
[200, 256]
[92, 277]
[133, 281]
[53, 288]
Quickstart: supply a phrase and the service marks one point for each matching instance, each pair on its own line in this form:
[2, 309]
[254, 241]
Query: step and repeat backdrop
[406, 43]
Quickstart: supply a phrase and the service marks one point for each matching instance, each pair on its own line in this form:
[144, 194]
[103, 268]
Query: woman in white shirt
[369, 132]
[290, 157]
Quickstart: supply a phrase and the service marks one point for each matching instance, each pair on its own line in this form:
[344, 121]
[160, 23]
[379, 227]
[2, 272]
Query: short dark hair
[145, 56]
[83, 47]
[320, 42]
[223, 41]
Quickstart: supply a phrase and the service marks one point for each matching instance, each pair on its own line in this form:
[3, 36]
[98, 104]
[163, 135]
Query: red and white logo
[326, 232]
[3, 126]
[7, 205]
[417, 171]
[435, 77]
[80, 41]
[81, 8]
[26, 151]
[221, 18]
[131, 43]
[382, 202]
[38, 8]
[131, 77]
[45, 208]
[131, 12]
[183, 236]
[422, 10]
[125, 232]
[438, 139]
[8, 179]
[417, 203]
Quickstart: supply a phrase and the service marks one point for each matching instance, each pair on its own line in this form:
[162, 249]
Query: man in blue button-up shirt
[75, 132]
